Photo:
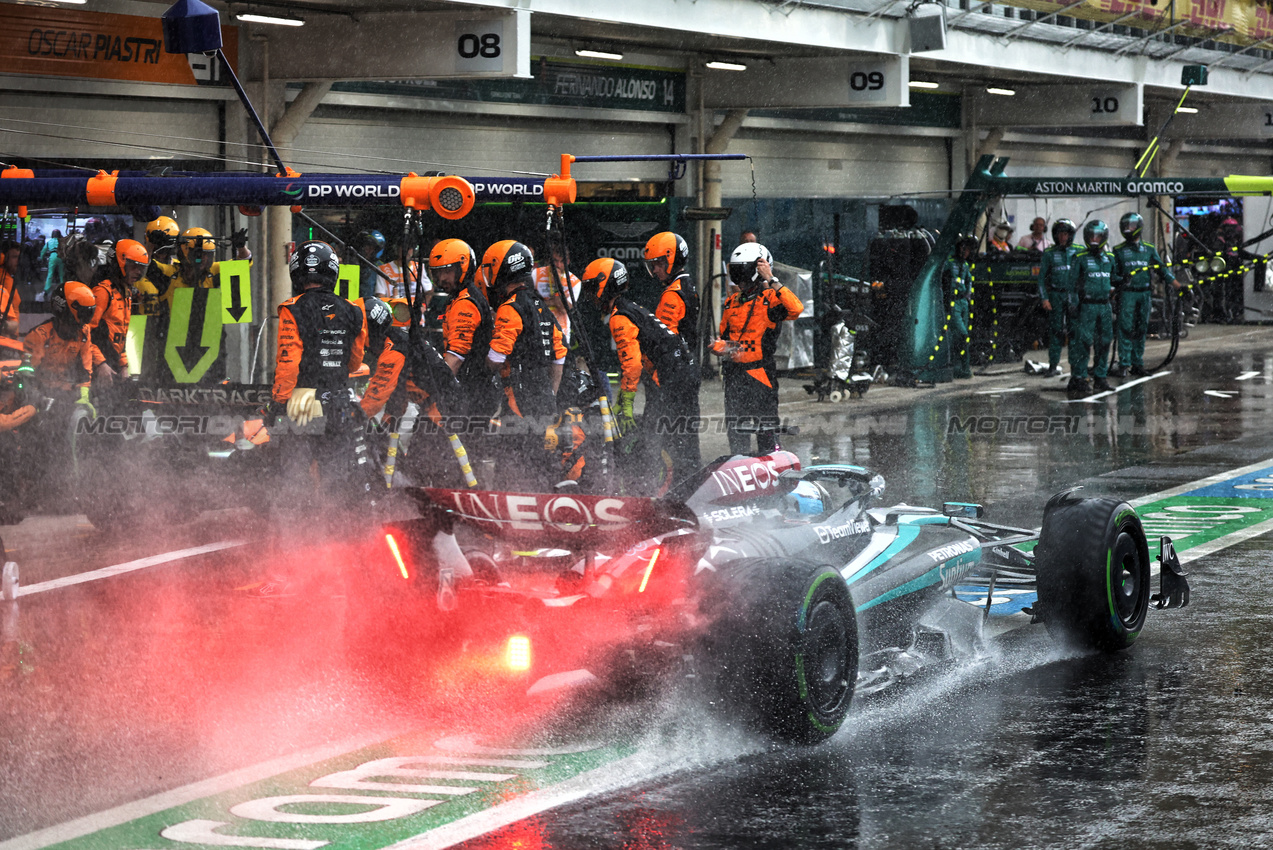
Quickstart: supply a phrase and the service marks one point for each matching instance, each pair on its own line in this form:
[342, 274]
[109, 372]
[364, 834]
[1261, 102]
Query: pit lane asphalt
[1164, 746]
[132, 685]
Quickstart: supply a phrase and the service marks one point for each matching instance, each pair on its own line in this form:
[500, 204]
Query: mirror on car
[963, 510]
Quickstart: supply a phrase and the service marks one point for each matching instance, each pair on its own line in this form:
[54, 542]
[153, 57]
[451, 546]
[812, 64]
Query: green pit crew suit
[1095, 320]
[1134, 265]
[957, 282]
[1057, 273]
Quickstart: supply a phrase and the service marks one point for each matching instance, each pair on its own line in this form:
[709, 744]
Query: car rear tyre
[1093, 569]
[785, 647]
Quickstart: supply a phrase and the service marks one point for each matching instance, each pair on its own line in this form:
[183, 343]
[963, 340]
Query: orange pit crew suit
[407, 371]
[467, 328]
[321, 340]
[528, 351]
[113, 294]
[750, 321]
[647, 347]
[63, 360]
[10, 299]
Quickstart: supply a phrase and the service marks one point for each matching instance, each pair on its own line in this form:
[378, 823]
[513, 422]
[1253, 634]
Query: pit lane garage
[231, 688]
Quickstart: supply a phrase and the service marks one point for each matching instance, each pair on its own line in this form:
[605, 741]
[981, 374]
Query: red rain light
[648, 569]
[397, 556]
[517, 653]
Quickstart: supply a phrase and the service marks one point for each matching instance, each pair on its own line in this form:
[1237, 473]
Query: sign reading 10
[1104, 104]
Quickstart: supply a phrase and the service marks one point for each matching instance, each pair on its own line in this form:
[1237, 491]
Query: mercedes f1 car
[786, 590]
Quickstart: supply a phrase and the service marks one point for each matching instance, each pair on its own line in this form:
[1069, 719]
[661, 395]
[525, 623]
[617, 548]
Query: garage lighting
[71, 2]
[599, 54]
[1005, 92]
[923, 84]
[269, 19]
[1187, 109]
[726, 66]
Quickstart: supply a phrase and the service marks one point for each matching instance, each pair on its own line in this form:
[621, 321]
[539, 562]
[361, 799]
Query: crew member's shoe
[1140, 372]
[1101, 385]
[1119, 371]
[1052, 372]
[1078, 387]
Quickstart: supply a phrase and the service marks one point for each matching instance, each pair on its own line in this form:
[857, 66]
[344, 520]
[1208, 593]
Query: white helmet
[742, 264]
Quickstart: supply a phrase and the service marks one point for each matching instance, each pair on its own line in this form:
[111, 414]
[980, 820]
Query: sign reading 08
[479, 45]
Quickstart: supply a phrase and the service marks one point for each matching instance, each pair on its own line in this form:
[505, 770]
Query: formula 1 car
[785, 590]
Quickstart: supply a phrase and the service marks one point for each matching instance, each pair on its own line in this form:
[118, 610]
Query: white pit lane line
[126, 567]
[1118, 389]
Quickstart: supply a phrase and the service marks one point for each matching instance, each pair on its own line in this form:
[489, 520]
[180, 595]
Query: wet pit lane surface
[126, 687]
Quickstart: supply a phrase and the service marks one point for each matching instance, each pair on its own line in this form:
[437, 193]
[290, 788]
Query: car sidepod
[910, 564]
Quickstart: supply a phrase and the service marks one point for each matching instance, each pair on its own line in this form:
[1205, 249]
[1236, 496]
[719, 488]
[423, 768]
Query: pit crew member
[10, 300]
[645, 344]
[527, 352]
[161, 241]
[321, 340]
[750, 321]
[1057, 271]
[1135, 263]
[1092, 285]
[194, 267]
[113, 293]
[467, 327]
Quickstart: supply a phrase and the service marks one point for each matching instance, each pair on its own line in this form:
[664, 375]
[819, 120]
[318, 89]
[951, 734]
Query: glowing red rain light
[648, 569]
[517, 654]
[397, 556]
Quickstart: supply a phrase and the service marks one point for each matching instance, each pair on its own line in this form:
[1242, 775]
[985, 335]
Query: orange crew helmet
[73, 303]
[453, 253]
[506, 262]
[131, 256]
[162, 233]
[666, 251]
[197, 247]
[605, 279]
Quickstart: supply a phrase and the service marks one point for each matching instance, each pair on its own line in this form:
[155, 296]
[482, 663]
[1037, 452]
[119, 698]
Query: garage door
[339, 138]
[794, 164]
[52, 126]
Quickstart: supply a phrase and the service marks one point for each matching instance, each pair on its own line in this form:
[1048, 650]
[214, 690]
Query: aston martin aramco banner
[1248, 19]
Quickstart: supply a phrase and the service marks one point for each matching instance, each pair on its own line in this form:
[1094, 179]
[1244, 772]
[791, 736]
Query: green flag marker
[347, 285]
[236, 292]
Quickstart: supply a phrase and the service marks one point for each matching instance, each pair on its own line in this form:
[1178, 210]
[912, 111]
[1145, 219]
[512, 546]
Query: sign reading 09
[878, 82]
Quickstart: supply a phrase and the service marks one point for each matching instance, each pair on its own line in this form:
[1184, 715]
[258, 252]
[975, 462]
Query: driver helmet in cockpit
[807, 498]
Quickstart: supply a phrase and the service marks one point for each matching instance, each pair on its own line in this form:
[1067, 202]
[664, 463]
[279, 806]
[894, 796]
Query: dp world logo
[293, 191]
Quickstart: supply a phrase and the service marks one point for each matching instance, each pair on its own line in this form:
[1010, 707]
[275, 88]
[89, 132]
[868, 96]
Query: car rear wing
[558, 520]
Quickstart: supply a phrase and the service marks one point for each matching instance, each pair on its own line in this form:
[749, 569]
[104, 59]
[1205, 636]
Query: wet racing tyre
[1093, 573]
[783, 647]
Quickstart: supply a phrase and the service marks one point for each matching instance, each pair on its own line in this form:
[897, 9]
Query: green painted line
[259, 814]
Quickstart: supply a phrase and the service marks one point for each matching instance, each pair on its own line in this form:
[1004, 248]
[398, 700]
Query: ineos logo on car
[529, 512]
